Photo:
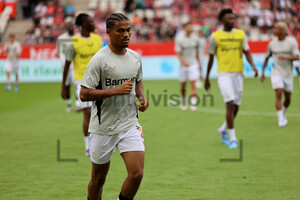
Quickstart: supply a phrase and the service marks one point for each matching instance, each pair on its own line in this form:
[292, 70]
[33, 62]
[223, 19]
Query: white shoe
[282, 123]
[182, 107]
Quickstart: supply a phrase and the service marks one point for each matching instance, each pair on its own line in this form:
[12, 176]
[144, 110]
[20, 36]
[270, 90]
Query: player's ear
[108, 31]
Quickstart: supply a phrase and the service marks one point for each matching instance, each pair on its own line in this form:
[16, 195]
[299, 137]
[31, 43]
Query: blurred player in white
[202, 47]
[62, 40]
[13, 50]
[228, 45]
[186, 48]
[284, 50]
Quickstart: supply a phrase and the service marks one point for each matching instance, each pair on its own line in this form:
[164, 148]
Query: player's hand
[64, 92]
[125, 88]
[207, 84]
[144, 104]
[255, 71]
[185, 64]
[262, 78]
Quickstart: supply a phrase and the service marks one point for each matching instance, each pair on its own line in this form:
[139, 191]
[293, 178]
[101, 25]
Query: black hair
[223, 12]
[115, 17]
[80, 19]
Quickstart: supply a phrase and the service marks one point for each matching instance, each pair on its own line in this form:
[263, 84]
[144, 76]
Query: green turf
[183, 149]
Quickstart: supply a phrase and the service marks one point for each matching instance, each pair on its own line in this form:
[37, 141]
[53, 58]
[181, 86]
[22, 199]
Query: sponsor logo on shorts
[94, 155]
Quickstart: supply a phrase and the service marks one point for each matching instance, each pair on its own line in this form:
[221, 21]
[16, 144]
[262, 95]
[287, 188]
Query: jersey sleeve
[139, 76]
[178, 47]
[19, 49]
[92, 75]
[245, 44]
[70, 52]
[269, 51]
[295, 48]
[212, 45]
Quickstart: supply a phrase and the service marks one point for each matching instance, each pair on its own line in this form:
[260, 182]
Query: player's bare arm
[65, 74]
[250, 60]
[89, 94]
[263, 70]
[290, 58]
[139, 90]
[209, 66]
[184, 63]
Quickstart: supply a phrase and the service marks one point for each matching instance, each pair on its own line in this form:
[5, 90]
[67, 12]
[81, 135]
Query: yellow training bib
[85, 49]
[230, 50]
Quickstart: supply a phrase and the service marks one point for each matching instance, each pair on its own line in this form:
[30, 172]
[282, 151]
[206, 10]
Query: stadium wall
[39, 63]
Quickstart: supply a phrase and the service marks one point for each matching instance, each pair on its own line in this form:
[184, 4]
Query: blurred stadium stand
[153, 20]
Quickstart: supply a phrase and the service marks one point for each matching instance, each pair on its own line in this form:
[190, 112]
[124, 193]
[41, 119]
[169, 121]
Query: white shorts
[11, 66]
[79, 104]
[279, 82]
[231, 88]
[189, 73]
[103, 146]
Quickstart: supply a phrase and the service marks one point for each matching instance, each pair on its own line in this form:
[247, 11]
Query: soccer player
[186, 48]
[80, 51]
[13, 50]
[284, 51]
[113, 80]
[229, 45]
[63, 40]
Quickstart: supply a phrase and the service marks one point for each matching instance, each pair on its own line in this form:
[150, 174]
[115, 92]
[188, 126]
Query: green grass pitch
[183, 148]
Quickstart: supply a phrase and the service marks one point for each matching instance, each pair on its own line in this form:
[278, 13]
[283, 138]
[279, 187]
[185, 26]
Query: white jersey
[12, 48]
[188, 47]
[286, 47]
[61, 49]
[107, 70]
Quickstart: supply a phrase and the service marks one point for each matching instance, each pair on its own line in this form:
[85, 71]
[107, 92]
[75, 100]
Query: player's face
[90, 24]
[278, 31]
[120, 34]
[70, 27]
[11, 39]
[189, 28]
[229, 20]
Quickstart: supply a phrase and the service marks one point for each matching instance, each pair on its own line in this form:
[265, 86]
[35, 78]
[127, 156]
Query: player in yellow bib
[229, 45]
[80, 50]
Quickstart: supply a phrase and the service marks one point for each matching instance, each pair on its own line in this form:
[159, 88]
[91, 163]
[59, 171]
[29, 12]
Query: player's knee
[98, 180]
[137, 176]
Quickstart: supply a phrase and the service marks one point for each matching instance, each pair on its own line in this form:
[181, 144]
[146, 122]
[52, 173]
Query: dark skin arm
[89, 94]
[64, 91]
[263, 71]
[209, 66]
[139, 90]
[250, 60]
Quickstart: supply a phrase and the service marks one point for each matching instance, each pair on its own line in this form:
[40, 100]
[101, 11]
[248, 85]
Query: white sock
[193, 101]
[86, 142]
[224, 126]
[183, 99]
[280, 114]
[231, 134]
[69, 102]
[284, 110]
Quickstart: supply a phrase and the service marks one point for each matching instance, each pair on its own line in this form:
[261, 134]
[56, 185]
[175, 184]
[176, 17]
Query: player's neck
[117, 50]
[188, 34]
[227, 29]
[281, 37]
[85, 33]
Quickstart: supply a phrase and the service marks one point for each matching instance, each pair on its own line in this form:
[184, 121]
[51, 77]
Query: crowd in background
[48, 20]
[160, 22]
